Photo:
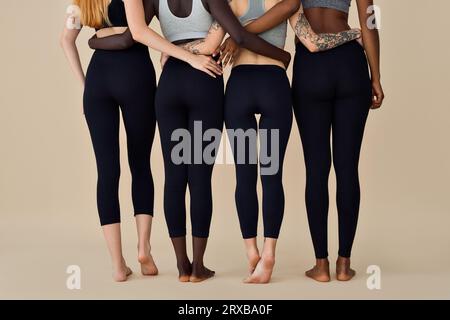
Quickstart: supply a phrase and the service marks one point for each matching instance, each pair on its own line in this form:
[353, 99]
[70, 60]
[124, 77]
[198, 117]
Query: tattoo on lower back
[323, 41]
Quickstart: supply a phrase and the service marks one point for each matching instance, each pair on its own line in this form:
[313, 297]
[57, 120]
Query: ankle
[268, 257]
[119, 266]
[343, 260]
[322, 263]
[144, 247]
[197, 265]
[252, 252]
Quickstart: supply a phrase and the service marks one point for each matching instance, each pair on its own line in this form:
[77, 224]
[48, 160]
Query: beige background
[47, 177]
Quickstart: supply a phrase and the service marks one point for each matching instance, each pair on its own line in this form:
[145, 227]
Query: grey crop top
[341, 5]
[275, 36]
[195, 26]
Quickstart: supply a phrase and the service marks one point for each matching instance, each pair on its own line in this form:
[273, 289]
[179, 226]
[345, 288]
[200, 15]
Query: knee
[109, 175]
[318, 170]
[175, 185]
[345, 169]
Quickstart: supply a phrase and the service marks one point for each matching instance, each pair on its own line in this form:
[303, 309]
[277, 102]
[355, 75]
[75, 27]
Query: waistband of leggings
[299, 47]
[259, 68]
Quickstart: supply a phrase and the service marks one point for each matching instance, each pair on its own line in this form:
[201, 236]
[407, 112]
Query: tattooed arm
[208, 45]
[319, 42]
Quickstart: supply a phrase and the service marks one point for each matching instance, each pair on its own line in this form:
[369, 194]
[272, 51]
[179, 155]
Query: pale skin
[112, 233]
[141, 32]
[261, 262]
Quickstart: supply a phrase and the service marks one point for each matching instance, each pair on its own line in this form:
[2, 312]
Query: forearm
[320, 42]
[153, 40]
[208, 45]
[115, 42]
[276, 15]
[73, 57]
[371, 41]
[371, 38]
[225, 17]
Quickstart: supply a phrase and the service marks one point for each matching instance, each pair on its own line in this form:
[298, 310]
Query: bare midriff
[326, 20]
[246, 56]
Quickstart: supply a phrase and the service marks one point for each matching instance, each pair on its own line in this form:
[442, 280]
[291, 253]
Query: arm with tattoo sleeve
[319, 42]
[208, 45]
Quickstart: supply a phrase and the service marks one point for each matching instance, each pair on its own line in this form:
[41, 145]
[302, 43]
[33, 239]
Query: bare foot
[184, 271]
[145, 258]
[343, 270]
[320, 272]
[201, 273]
[253, 259]
[122, 273]
[263, 271]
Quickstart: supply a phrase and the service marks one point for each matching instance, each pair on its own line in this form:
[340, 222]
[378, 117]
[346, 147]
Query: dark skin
[324, 20]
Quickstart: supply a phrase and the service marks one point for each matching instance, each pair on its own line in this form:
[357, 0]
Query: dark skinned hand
[228, 52]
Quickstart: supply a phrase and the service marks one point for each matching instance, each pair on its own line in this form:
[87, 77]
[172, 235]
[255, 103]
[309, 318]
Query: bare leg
[199, 271]
[144, 228]
[183, 264]
[264, 268]
[320, 272]
[343, 270]
[114, 243]
[253, 256]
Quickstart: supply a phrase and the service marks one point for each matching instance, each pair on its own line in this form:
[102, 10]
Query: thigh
[103, 119]
[349, 120]
[275, 106]
[138, 111]
[352, 104]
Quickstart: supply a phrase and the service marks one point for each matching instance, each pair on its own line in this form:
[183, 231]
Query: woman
[333, 92]
[186, 98]
[259, 85]
[124, 78]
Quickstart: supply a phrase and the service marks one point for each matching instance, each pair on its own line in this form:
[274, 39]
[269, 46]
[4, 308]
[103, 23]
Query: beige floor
[35, 268]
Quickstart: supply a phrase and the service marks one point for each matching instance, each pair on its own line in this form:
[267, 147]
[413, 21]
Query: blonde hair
[94, 13]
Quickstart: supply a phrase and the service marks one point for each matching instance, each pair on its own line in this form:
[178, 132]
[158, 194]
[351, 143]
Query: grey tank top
[195, 26]
[275, 36]
[341, 5]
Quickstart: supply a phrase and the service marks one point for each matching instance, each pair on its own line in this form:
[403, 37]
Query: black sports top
[116, 13]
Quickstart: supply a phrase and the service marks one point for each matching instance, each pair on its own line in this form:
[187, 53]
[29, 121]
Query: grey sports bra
[275, 36]
[341, 5]
[195, 26]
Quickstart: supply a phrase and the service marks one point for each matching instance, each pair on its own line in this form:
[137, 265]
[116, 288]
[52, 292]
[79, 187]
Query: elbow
[241, 39]
[138, 35]
[312, 48]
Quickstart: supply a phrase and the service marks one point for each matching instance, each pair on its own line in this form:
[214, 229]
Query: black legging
[264, 90]
[184, 96]
[126, 79]
[332, 92]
